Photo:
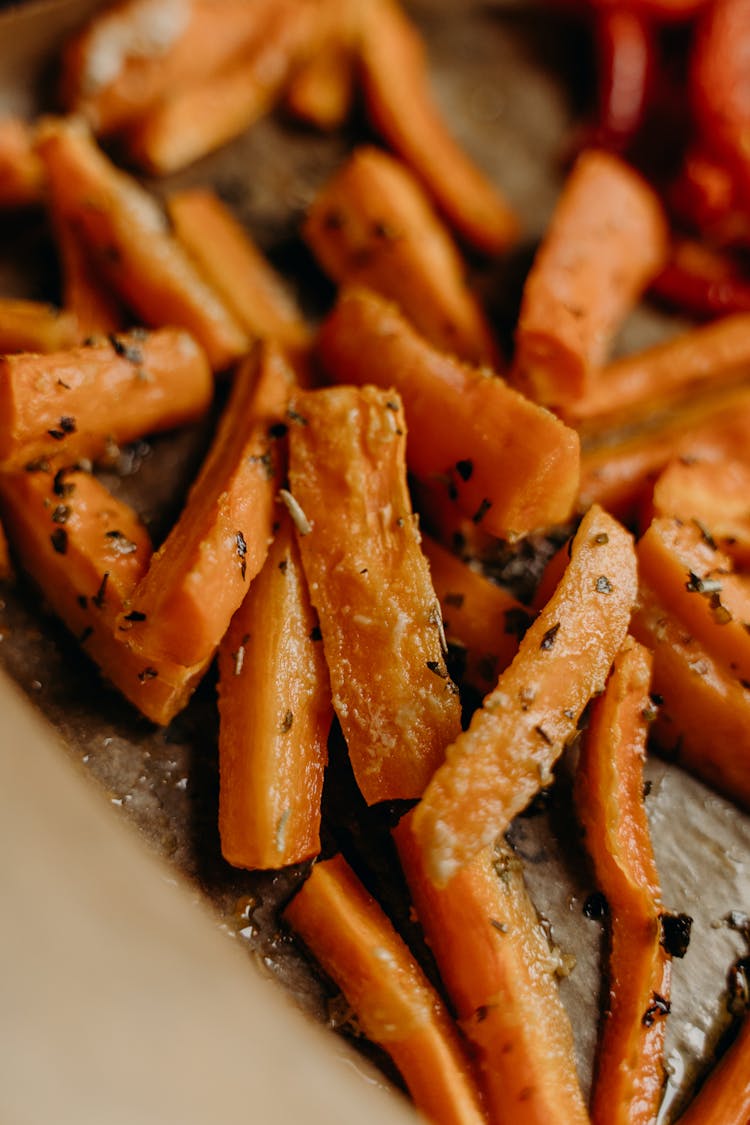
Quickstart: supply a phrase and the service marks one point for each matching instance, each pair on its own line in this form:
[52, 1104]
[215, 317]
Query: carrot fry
[30, 326]
[725, 1097]
[606, 240]
[400, 105]
[513, 465]
[370, 584]
[499, 973]
[85, 292]
[394, 1003]
[506, 756]
[275, 714]
[21, 171]
[126, 233]
[79, 402]
[321, 92]
[629, 1079]
[372, 225]
[714, 494]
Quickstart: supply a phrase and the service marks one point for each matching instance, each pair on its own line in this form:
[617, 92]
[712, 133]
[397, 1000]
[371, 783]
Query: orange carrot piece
[400, 105]
[21, 171]
[31, 326]
[275, 714]
[372, 225]
[85, 292]
[715, 494]
[725, 1097]
[79, 402]
[499, 973]
[395, 1005]
[514, 466]
[629, 1077]
[370, 583]
[606, 240]
[506, 756]
[199, 576]
[126, 232]
[321, 92]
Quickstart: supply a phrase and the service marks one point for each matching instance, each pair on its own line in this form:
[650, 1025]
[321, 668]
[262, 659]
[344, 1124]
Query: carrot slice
[78, 402]
[513, 465]
[31, 326]
[21, 170]
[85, 292]
[275, 714]
[394, 1003]
[629, 1079]
[400, 105]
[370, 583]
[499, 973]
[606, 240]
[372, 225]
[321, 92]
[715, 495]
[725, 1097]
[506, 756]
[198, 577]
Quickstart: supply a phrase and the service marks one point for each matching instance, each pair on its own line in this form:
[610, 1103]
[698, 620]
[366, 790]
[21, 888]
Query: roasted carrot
[348, 933]
[372, 225]
[724, 1099]
[607, 239]
[370, 584]
[31, 326]
[78, 403]
[702, 282]
[435, 500]
[716, 494]
[126, 232]
[400, 105]
[704, 196]
[21, 171]
[629, 1076]
[321, 91]
[275, 714]
[86, 294]
[199, 576]
[626, 56]
[499, 973]
[506, 756]
[512, 464]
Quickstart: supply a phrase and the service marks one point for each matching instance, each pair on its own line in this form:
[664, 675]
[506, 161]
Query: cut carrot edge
[714, 494]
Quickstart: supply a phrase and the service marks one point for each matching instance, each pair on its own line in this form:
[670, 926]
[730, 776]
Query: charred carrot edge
[712, 493]
[724, 1099]
[400, 105]
[79, 402]
[275, 714]
[21, 171]
[348, 933]
[199, 576]
[506, 756]
[629, 1076]
[126, 233]
[32, 326]
[360, 550]
[85, 292]
[373, 225]
[607, 239]
[6, 566]
[321, 92]
[497, 967]
[513, 465]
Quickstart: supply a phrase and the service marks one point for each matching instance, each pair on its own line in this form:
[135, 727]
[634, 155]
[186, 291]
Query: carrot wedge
[715, 495]
[275, 714]
[629, 1077]
[370, 583]
[85, 292]
[31, 326]
[506, 756]
[21, 170]
[496, 964]
[724, 1099]
[355, 943]
[321, 91]
[513, 465]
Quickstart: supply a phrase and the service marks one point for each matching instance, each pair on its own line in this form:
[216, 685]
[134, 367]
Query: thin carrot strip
[370, 583]
[31, 326]
[77, 403]
[21, 171]
[275, 714]
[499, 972]
[394, 1003]
[321, 92]
[512, 464]
[85, 292]
[725, 1097]
[506, 756]
[629, 1078]
[372, 225]
[715, 494]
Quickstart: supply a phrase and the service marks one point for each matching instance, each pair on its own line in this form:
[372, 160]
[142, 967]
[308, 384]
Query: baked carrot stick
[86, 294]
[724, 1099]
[370, 584]
[499, 972]
[506, 756]
[21, 171]
[275, 714]
[355, 943]
[512, 464]
[400, 105]
[629, 1077]
[199, 576]
[31, 326]
[372, 225]
[321, 91]
[78, 402]
[126, 232]
[714, 494]
[607, 239]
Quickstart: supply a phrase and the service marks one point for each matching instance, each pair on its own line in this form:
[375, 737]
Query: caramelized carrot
[85, 292]
[372, 225]
[506, 756]
[275, 713]
[79, 402]
[513, 465]
[499, 972]
[321, 92]
[629, 1078]
[395, 1005]
[30, 326]
[725, 1097]
[21, 171]
[715, 495]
